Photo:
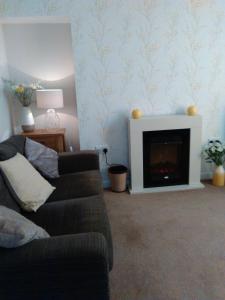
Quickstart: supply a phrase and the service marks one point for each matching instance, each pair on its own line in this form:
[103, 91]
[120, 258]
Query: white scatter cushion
[30, 188]
[16, 230]
[42, 158]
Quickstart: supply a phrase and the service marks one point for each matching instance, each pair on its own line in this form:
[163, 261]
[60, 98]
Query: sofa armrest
[61, 267]
[78, 161]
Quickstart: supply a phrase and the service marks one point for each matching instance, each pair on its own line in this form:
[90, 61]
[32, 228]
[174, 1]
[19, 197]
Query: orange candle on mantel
[192, 110]
[136, 113]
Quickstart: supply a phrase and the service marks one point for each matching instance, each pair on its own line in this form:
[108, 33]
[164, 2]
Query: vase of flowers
[214, 152]
[24, 94]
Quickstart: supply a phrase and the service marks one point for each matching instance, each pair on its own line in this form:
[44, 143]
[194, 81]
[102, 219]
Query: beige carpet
[168, 246]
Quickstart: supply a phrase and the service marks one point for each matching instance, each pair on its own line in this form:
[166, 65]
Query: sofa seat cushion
[80, 184]
[80, 215]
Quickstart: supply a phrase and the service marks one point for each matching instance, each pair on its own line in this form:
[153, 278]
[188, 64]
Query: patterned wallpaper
[158, 55]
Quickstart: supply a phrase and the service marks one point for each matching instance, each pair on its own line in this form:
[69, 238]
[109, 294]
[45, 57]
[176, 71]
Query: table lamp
[50, 99]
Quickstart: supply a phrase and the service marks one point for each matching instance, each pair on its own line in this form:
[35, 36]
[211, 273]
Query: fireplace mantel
[158, 123]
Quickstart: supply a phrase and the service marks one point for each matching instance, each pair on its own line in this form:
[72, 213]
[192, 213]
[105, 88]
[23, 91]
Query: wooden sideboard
[52, 138]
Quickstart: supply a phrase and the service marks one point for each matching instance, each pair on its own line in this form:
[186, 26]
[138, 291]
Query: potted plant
[24, 94]
[214, 152]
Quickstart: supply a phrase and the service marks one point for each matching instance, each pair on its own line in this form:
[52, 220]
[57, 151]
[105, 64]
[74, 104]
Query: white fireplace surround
[167, 122]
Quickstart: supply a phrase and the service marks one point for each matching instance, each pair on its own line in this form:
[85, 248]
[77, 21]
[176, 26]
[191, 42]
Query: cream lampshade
[50, 99]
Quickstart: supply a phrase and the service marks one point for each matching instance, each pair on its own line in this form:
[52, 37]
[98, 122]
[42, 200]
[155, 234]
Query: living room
[112, 149]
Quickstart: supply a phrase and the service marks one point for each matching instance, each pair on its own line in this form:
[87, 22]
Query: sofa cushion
[42, 158]
[80, 184]
[87, 214]
[11, 146]
[16, 230]
[31, 189]
[6, 198]
[6, 151]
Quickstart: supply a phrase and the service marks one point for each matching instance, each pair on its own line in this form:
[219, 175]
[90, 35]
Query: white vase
[219, 176]
[27, 119]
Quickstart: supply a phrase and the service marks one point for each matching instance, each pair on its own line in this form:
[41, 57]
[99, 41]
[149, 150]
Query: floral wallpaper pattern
[158, 55]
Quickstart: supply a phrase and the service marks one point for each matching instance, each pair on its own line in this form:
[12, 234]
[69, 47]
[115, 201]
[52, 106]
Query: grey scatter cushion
[42, 158]
[16, 230]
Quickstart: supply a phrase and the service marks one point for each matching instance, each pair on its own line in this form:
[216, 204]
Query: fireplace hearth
[166, 157]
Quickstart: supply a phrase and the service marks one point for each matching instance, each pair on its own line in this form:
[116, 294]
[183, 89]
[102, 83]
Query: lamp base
[52, 119]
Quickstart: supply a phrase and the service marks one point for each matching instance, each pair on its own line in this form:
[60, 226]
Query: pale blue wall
[160, 55]
[5, 120]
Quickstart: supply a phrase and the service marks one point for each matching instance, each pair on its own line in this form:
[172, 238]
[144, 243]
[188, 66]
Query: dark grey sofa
[74, 263]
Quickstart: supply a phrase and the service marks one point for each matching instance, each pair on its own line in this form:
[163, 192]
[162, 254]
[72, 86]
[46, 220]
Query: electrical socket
[102, 148]
[105, 150]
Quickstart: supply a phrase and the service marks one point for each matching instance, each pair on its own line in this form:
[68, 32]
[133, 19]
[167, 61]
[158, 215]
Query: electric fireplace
[166, 157]
[165, 153]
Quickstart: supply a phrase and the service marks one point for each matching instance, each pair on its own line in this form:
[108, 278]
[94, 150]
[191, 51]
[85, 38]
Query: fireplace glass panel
[166, 157]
